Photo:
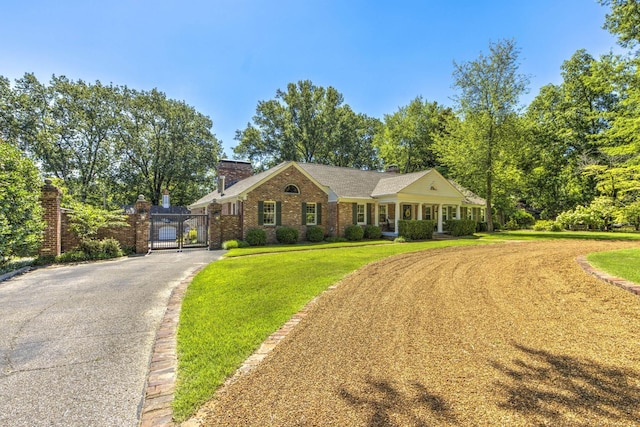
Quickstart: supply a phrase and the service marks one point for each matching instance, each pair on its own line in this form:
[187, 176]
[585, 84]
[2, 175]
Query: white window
[360, 213]
[269, 213]
[453, 212]
[445, 213]
[427, 212]
[382, 213]
[311, 214]
[482, 218]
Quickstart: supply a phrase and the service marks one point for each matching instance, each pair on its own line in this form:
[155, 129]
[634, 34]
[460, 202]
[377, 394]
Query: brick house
[303, 194]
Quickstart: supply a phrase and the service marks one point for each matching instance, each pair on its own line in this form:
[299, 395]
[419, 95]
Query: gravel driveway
[75, 341]
[508, 334]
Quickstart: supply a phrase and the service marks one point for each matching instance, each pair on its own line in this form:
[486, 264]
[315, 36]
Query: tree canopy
[20, 211]
[308, 123]
[110, 143]
[480, 144]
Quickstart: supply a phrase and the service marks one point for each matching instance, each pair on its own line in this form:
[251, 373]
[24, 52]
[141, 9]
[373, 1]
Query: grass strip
[624, 263]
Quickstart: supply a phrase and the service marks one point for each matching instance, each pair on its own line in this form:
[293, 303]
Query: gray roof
[392, 184]
[470, 197]
[344, 182]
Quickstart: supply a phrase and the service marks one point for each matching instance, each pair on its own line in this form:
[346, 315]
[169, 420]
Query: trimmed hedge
[287, 235]
[256, 237]
[461, 227]
[354, 232]
[416, 230]
[315, 234]
[372, 232]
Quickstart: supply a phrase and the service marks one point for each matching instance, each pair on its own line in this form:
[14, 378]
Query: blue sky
[223, 56]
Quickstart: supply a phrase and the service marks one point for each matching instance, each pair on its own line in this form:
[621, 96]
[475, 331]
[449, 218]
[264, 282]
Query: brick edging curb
[617, 281]
[156, 410]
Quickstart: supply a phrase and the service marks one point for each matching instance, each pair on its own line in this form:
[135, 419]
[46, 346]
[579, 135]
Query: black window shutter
[304, 213]
[369, 212]
[260, 213]
[355, 213]
[319, 213]
[278, 213]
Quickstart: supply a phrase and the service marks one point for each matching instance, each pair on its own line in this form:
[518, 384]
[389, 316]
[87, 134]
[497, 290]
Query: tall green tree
[69, 127]
[308, 123]
[479, 148]
[408, 135]
[20, 211]
[623, 21]
[164, 144]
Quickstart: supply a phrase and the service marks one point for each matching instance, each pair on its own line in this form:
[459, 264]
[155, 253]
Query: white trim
[264, 216]
[315, 213]
[364, 213]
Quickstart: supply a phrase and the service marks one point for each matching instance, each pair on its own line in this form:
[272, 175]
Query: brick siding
[291, 204]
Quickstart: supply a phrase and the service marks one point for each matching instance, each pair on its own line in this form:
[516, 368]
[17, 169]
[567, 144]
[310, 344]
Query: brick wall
[345, 218]
[50, 199]
[58, 238]
[291, 204]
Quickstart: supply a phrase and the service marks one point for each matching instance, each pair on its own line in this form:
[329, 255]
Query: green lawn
[234, 304]
[623, 263]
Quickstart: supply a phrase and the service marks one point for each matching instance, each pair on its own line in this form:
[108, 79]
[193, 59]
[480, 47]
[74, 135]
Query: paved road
[75, 341]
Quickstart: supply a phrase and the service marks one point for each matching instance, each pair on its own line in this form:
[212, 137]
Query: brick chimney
[232, 171]
[392, 169]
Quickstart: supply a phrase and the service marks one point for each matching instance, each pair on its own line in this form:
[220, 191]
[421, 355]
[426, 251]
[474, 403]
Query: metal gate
[177, 231]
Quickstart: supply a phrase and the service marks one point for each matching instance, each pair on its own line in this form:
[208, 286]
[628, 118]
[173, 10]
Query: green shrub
[92, 248]
[315, 234]
[541, 225]
[372, 232]
[243, 244]
[400, 239]
[21, 222]
[192, 236]
[354, 232]
[511, 225]
[230, 244]
[555, 227]
[481, 226]
[461, 227]
[256, 237]
[520, 219]
[128, 249]
[416, 230]
[336, 239]
[74, 255]
[111, 248]
[44, 260]
[287, 235]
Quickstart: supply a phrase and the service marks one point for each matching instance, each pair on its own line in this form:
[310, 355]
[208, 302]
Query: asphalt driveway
[75, 341]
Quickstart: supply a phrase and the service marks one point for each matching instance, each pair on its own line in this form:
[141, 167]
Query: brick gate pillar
[142, 225]
[215, 225]
[50, 200]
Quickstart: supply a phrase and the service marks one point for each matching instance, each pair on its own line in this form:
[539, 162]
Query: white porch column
[458, 212]
[419, 211]
[440, 218]
[397, 215]
[375, 214]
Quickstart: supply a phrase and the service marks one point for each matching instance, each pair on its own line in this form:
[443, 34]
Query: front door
[406, 212]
